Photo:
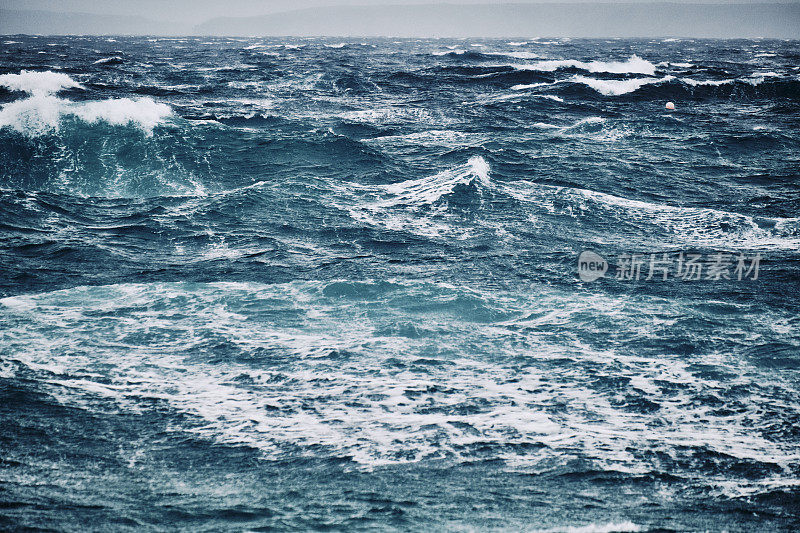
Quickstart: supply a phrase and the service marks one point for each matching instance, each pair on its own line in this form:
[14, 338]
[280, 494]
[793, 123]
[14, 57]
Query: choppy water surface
[276, 284]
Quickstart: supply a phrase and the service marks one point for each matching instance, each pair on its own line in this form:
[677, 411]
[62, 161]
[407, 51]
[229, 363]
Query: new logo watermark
[591, 266]
[671, 265]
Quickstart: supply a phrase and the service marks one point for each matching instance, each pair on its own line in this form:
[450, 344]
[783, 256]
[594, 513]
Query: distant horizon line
[396, 37]
[593, 19]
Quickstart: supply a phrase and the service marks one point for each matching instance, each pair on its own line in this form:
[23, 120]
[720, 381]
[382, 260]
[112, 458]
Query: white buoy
[670, 106]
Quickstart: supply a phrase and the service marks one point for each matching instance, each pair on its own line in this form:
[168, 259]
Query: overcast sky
[196, 11]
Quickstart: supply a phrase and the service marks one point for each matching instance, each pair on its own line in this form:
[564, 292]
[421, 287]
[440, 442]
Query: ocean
[269, 284]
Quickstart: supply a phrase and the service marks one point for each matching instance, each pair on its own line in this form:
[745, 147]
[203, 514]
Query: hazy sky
[196, 11]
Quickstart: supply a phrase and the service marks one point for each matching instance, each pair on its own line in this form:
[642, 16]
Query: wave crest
[633, 65]
[43, 112]
[38, 83]
[618, 87]
[420, 206]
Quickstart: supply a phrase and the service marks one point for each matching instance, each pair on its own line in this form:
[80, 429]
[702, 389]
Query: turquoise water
[254, 284]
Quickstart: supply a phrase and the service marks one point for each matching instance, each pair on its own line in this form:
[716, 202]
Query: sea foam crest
[611, 527]
[633, 65]
[618, 87]
[411, 205]
[43, 112]
[429, 189]
[36, 83]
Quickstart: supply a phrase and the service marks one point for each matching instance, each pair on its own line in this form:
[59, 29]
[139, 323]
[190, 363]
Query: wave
[263, 347]
[610, 527]
[633, 65]
[429, 189]
[483, 55]
[671, 225]
[671, 87]
[435, 206]
[420, 206]
[526, 86]
[34, 83]
[618, 87]
[43, 112]
[40, 115]
[714, 83]
[85, 148]
[458, 52]
[114, 60]
[514, 55]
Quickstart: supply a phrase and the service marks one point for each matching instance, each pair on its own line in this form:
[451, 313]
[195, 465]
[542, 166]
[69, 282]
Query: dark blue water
[286, 284]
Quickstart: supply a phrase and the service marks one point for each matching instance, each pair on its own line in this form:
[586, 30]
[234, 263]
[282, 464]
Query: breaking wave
[43, 112]
[618, 87]
[633, 65]
[673, 87]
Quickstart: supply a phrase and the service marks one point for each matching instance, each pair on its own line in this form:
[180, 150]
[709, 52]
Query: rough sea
[326, 284]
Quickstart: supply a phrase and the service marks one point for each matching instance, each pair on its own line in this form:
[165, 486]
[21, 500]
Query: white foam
[41, 114]
[515, 55]
[38, 83]
[107, 60]
[618, 87]
[447, 138]
[525, 86]
[141, 112]
[387, 114]
[677, 225]
[429, 189]
[755, 79]
[610, 527]
[365, 406]
[409, 205]
[633, 65]
[715, 83]
[455, 51]
[517, 43]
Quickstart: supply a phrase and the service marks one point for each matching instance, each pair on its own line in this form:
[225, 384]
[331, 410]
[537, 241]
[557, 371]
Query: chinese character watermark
[671, 265]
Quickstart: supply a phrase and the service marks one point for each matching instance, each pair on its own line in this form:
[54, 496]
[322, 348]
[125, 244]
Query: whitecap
[33, 82]
[610, 527]
[455, 51]
[525, 86]
[108, 60]
[400, 206]
[42, 112]
[633, 65]
[618, 87]
[515, 55]
[715, 83]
